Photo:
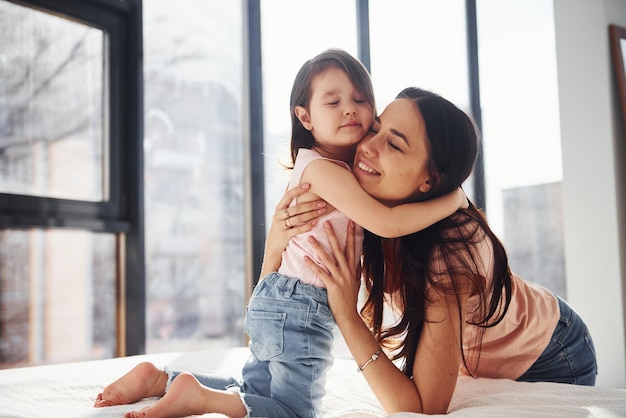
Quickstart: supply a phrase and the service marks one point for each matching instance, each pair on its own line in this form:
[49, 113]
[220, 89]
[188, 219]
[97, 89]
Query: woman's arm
[288, 222]
[438, 355]
[340, 189]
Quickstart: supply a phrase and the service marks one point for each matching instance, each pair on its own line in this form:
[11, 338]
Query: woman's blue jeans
[570, 357]
[291, 337]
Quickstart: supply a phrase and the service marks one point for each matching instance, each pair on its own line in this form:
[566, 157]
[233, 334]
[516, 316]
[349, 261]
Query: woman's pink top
[511, 347]
[292, 263]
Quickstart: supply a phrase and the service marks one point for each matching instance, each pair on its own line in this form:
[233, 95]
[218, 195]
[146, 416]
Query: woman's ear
[303, 115]
[428, 184]
[425, 186]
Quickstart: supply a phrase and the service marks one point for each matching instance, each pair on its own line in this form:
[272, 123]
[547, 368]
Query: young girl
[288, 318]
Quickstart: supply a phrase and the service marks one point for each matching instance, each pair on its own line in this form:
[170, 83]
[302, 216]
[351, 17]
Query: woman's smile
[365, 167]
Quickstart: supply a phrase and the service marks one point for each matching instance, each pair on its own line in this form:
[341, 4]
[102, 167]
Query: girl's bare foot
[143, 381]
[186, 396]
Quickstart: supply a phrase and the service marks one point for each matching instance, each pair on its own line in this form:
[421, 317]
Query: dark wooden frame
[618, 51]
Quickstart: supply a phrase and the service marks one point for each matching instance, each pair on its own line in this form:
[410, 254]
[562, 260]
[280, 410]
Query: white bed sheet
[68, 390]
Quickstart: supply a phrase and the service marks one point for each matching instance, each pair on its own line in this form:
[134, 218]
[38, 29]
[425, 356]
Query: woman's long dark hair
[408, 261]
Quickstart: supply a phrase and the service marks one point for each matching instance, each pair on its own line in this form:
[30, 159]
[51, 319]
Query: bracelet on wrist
[373, 358]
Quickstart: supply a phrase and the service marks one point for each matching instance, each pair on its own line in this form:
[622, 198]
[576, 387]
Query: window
[521, 135]
[194, 174]
[419, 44]
[285, 48]
[55, 61]
[70, 219]
[58, 296]
[428, 54]
[79, 179]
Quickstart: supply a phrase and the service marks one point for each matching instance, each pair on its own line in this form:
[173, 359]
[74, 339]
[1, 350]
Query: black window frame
[122, 212]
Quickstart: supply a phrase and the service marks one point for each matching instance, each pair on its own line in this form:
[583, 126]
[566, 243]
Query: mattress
[68, 390]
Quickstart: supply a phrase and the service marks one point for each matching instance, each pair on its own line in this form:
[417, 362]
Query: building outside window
[194, 174]
[522, 136]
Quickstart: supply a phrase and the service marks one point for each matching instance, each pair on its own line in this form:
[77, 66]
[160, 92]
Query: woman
[457, 306]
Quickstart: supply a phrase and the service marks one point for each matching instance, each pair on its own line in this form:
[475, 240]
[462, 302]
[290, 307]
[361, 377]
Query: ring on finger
[286, 213]
[288, 224]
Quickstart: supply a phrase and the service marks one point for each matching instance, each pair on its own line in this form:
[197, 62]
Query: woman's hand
[343, 281]
[288, 222]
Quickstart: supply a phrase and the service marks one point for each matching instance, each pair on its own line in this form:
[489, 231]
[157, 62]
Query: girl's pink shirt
[292, 263]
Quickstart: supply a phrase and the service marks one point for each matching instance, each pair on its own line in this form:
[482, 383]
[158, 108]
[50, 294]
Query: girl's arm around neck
[340, 189]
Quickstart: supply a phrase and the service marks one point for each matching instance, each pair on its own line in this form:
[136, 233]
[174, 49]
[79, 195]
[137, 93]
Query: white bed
[68, 390]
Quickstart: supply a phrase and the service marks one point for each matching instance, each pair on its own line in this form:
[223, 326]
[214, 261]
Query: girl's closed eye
[359, 99]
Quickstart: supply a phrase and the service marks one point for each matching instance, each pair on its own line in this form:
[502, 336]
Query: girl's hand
[288, 222]
[343, 281]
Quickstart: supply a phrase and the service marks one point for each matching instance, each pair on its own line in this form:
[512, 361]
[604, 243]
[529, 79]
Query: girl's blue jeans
[570, 357]
[290, 326]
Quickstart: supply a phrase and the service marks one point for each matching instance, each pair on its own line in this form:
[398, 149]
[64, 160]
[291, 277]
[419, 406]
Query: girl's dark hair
[302, 90]
[441, 258]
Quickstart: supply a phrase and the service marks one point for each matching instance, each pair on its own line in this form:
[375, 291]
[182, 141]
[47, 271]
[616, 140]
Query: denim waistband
[291, 285]
[565, 309]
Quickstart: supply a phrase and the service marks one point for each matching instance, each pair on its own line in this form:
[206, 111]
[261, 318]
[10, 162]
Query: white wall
[594, 153]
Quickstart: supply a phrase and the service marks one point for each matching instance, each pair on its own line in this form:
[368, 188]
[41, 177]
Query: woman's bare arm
[438, 355]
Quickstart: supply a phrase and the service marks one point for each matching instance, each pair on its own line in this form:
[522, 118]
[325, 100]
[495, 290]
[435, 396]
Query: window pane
[433, 54]
[521, 134]
[433, 51]
[304, 30]
[194, 190]
[51, 106]
[57, 296]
